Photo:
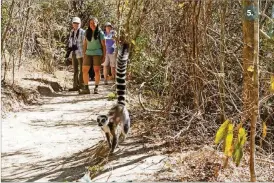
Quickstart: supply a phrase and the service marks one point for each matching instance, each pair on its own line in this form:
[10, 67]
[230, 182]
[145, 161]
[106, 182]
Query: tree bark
[251, 73]
[195, 54]
[8, 26]
[129, 14]
[222, 62]
[13, 69]
[24, 34]
[255, 95]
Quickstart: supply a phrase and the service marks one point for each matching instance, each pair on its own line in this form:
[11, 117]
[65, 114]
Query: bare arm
[84, 47]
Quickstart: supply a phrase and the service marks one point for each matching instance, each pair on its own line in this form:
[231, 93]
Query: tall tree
[222, 61]
[250, 65]
[24, 31]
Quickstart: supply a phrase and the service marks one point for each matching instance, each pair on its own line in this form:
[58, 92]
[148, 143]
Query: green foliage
[112, 96]
[238, 150]
[146, 65]
[95, 168]
[4, 16]
[237, 154]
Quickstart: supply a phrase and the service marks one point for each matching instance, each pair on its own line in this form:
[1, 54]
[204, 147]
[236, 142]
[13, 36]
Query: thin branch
[8, 25]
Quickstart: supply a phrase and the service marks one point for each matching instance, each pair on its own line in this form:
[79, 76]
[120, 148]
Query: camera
[70, 49]
[74, 47]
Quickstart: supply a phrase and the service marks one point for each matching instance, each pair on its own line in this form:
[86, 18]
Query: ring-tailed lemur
[117, 121]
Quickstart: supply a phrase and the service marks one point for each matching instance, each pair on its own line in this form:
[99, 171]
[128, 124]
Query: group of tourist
[90, 50]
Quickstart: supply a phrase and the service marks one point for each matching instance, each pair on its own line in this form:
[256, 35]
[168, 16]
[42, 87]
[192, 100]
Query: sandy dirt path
[55, 141]
[42, 141]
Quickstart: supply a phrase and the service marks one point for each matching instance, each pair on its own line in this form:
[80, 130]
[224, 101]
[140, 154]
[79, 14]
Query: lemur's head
[102, 120]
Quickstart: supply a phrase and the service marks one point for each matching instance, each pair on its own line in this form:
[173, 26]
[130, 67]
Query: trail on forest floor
[55, 141]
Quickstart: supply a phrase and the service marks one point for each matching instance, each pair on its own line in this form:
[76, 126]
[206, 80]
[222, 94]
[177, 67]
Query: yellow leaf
[272, 83]
[264, 129]
[221, 132]
[250, 68]
[228, 140]
[133, 42]
[272, 79]
[126, 2]
[242, 137]
[181, 5]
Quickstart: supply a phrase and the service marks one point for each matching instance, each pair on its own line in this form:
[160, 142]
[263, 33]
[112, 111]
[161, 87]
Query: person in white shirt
[76, 39]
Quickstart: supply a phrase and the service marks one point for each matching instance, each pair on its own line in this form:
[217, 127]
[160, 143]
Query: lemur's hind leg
[114, 143]
[124, 133]
[114, 137]
[108, 139]
[122, 137]
[126, 128]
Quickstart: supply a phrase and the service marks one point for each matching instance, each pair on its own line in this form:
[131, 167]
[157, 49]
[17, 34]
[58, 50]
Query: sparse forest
[200, 89]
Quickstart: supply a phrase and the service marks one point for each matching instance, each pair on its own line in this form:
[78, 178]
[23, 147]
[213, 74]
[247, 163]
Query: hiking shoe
[106, 82]
[84, 91]
[73, 89]
[95, 90]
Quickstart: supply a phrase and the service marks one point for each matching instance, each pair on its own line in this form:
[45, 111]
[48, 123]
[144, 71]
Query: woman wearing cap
[110, 36]
[94, 49]
[76, 38]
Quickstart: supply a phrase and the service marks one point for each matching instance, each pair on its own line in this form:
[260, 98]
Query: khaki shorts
[94, 60]
[110, 60]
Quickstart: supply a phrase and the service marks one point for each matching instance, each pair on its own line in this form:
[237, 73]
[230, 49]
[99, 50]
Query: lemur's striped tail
[121, 67]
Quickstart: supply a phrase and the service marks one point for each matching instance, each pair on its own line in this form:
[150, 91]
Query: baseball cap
[76, 20]
[108, 24]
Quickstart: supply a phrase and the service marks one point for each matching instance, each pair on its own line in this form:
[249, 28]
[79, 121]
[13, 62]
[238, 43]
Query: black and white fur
[116, 123]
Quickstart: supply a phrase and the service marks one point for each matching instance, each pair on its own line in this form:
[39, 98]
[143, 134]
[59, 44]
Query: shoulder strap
[71, 34]
[100, 39]
[100, 31]
[77, 33]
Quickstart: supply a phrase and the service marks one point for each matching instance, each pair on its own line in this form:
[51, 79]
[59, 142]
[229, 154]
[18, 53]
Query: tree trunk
[255, 95]
[222, 62]
[13, 68]
[195, 55]
[4, 69]
[251, 73]
[118, 14]
[3, 39]
[129, 14]
[24, 34]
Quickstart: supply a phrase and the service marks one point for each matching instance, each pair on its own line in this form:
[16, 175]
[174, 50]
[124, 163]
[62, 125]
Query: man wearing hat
[76, 39]
[110, 60]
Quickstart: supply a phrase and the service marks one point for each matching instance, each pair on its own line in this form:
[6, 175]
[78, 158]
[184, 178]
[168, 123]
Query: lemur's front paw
[111, 151]
[122, 138]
